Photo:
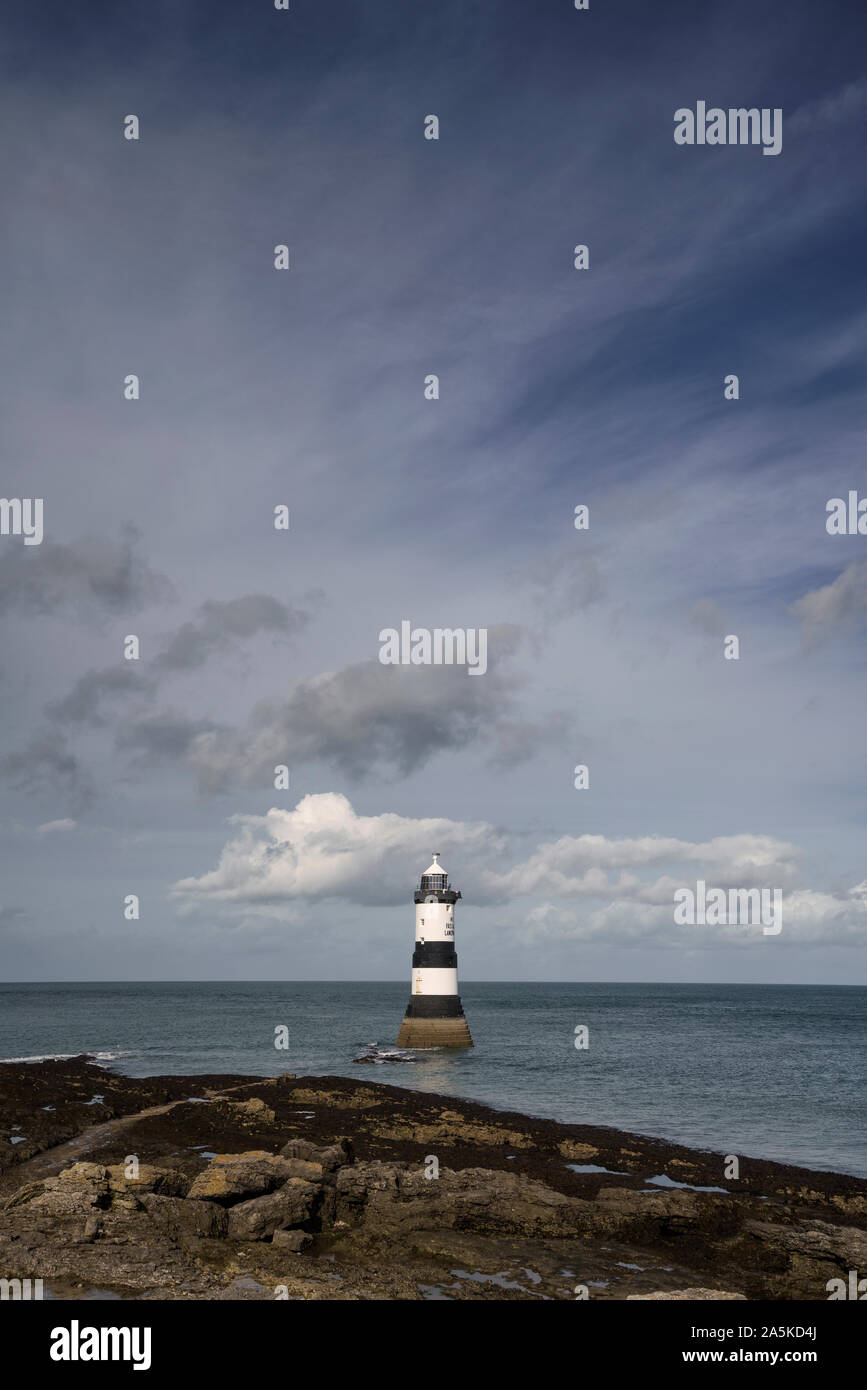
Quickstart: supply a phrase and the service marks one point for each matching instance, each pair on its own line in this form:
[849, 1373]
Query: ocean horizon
[765, 1071]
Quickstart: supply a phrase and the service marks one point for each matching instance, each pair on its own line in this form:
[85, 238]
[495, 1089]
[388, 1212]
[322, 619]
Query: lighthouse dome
[435, 879]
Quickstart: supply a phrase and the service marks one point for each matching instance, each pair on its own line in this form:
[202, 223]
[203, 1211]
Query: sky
[305, 388]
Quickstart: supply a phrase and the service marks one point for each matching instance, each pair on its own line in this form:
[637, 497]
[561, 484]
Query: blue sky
[557, 387]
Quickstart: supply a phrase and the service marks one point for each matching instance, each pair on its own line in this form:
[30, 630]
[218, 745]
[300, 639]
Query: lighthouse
[434, 1017]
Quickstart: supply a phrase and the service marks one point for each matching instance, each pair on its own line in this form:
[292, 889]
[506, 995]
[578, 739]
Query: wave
[378, 1055]
[66, 1056]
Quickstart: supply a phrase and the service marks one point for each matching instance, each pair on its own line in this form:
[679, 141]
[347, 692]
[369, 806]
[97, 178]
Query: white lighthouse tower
[434, 1017]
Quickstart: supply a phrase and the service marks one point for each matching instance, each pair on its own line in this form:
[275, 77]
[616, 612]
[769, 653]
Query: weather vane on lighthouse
[434, 1017]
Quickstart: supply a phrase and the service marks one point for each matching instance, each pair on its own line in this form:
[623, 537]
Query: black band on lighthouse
[435, 954]
[434, 1006]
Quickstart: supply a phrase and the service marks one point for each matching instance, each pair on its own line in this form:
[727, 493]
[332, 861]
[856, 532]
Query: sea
[769, 1071]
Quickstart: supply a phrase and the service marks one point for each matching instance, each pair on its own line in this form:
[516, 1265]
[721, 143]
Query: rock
[685, 1294]
[329, 1157]
[394, 1198]
[357, 1185]
[23, 1194]
[92, 1228]
[629, 1214]
[310, 1172]
[167, 1181]
[570, 1148]
[291, 1240]
[337, 1100]
[125, 1202]
[396, 1234]
[852, 1206]
[231, 1176]
[176, 1217]
[76, 1191]
[814, 1240]
[450, 1131]
[83, 1172]
[262, 1216]
[253, 1111]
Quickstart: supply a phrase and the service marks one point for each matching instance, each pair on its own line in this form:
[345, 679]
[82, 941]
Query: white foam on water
[92, 1057]
[42, 1057]
[372, 1052]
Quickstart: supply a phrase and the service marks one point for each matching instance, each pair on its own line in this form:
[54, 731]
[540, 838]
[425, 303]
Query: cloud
[166, 734]
[92, 572]
[363, 720]
[843, 601]
[707, 616]
[369, 718]
[565, 582]
[82, 704]
[221, 624]
[324, 849]
[809, 918]
[579, 865]
[50, 826]
[843, 105]
[46, 765]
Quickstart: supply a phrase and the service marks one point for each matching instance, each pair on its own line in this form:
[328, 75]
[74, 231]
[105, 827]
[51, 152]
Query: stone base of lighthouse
[434, 1032]
[431, 1022]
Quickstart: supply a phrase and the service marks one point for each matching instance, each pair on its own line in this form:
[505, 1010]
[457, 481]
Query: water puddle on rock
[248, 1284]
[662, 1180]
[594, 1168]
[501, 1280]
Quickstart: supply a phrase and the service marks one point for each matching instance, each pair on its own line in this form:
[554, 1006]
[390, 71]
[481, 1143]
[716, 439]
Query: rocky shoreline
[239, 1187]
